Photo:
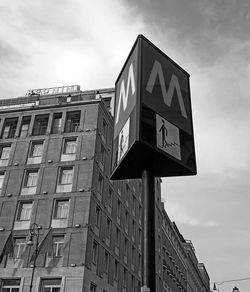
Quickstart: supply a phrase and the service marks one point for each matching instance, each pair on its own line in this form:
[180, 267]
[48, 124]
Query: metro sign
[166, 94]
[153, 120]
[124, 93]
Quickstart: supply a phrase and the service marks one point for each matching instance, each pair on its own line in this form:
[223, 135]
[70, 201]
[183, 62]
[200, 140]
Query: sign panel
[126, 92]
[168, 137]
[165, 88]
[126, 110]
[123, 140]
[153, 121]
[54, 90]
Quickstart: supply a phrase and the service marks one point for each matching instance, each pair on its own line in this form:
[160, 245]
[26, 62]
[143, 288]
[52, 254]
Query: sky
[54, 43]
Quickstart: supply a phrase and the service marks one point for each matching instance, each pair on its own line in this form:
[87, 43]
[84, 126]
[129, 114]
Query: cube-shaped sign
[153, 126]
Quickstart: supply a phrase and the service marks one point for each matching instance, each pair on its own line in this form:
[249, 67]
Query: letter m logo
[167, 94]
[124, 93]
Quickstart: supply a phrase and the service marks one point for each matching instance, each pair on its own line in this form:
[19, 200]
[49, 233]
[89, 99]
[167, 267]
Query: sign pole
[148, 192]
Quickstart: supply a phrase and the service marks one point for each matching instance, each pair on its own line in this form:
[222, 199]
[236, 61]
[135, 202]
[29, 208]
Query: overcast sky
[53, 43]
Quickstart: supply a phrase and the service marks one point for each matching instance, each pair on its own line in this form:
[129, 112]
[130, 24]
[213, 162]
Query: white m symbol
[123, 96]
[173, 85]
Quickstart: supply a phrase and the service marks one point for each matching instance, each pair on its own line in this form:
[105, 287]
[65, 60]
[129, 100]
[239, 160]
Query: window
[102, 155]
[97, 216]
[23, 215]
[2, 174]
[104, 130]
[31, 178]
[4, 154]
[108, 233]
[57, 123]
[93, 287]
[94, 252]
[40, 125]
[69, 149]
[140, 191]
[140, 214]
[126, 221]
[30, 182]
[127, 195]
[66, 176]
[133, 257]
[36, 149]
[9, 128]
[125, 276]
[126, 248]
[132, 283]
[133, 204]
[106, 262]
[61, 210]
[50, 285]
[25, 127]
[100, 184]
[60, 214]
[139, 238]
[69, 146]
[119, 209]
[139, 263]
[110, 197]
[36, 152]
[65, 179]
[133, 230]
[19, 247]
[117, 237]
[24, 211]
[116, 271]
[58, 244]
[72, 122]
[10, 285]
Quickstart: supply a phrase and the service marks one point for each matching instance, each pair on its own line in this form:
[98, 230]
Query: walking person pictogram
[164, 133]
[121, 144]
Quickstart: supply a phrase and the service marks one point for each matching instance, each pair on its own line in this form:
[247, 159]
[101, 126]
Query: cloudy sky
[52, 43]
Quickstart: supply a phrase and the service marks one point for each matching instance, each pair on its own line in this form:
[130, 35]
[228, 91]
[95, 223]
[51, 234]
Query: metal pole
[148, 191]
[34, 231]
[34, 266]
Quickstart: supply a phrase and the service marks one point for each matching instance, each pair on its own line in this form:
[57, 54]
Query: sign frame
[142, 151]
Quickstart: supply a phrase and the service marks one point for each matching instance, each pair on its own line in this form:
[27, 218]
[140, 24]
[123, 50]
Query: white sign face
[123, 140]
[168, 137]
[126, 91]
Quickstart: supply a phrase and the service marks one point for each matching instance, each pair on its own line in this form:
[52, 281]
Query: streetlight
[34, 231]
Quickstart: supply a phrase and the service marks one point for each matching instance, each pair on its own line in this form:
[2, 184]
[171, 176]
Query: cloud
[183, 217]
[8, 53]
[53, 43]
[65, 43]
[205, 28]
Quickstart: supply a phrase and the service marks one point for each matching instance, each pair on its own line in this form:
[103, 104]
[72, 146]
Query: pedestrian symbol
[168, 138]
[123, 140]
[164, 133]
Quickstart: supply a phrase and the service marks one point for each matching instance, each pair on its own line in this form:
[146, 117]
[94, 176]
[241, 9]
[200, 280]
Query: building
[171, 255]
[198, 278]
[55, 159]
[55, 164]
[179, 269]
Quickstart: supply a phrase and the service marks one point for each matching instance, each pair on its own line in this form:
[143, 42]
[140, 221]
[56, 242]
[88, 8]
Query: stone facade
[55, 161]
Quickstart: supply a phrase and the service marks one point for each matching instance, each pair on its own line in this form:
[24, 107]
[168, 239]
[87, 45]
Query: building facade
[55, 160]
[198, 278]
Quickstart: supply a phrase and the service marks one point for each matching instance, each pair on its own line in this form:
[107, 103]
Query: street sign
[168, 137]
[153, 119]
